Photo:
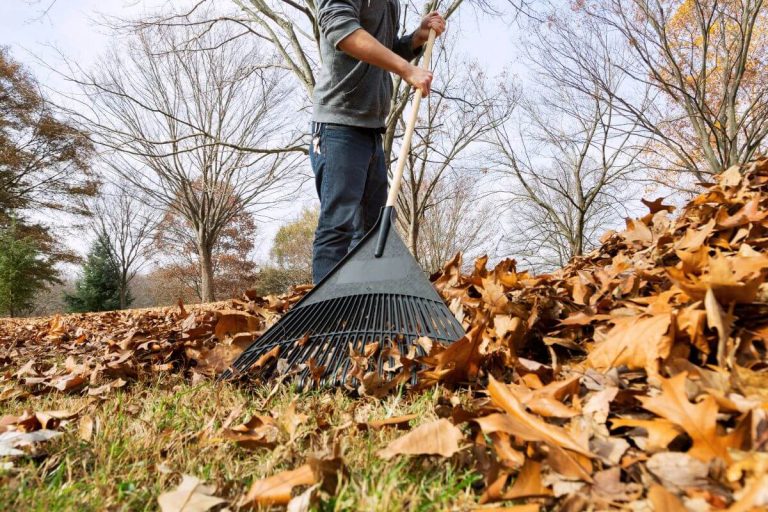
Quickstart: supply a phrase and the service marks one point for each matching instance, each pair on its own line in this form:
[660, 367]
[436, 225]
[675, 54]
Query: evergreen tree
[99, 288]
[24, 270]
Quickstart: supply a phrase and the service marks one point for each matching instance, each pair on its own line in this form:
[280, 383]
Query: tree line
[189, 134]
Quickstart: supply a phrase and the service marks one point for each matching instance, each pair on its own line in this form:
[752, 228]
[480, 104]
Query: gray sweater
[349, 91]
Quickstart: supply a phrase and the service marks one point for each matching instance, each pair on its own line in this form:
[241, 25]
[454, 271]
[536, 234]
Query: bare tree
[124, 220]
[570, 166]
[177, 258]
[461, 220]
[196, 122]
[447, 141]
[692, 80]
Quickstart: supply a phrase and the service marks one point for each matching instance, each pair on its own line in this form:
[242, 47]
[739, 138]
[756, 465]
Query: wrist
[403, 67]
[420, 37]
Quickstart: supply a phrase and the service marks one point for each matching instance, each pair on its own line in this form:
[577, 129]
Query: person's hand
[420, 79]
[434, 21]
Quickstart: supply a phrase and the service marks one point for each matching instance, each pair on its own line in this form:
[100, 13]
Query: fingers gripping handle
[397, 177]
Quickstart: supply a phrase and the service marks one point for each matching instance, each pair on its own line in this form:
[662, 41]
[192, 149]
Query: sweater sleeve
[338, 18]
[404, 47]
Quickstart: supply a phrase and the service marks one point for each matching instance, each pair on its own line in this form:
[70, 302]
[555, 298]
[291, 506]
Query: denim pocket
[316, 142]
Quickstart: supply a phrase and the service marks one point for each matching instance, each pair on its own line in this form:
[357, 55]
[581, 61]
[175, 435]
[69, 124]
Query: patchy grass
[150, 433]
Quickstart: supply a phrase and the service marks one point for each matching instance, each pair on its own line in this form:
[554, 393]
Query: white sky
[37, 30]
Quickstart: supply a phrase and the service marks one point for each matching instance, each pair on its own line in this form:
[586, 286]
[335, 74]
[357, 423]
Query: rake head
[365, 300]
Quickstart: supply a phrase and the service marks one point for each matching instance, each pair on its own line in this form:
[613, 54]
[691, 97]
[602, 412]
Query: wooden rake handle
[397, 177]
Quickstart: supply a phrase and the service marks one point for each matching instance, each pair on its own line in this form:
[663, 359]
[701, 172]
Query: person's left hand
[434, 21]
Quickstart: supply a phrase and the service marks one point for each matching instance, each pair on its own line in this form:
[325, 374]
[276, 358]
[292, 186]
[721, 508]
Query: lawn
[122, 452]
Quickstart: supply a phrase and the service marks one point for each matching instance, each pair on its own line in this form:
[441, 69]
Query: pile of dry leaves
[634, 378]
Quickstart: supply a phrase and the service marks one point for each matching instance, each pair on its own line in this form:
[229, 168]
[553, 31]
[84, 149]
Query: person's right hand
[420, 79]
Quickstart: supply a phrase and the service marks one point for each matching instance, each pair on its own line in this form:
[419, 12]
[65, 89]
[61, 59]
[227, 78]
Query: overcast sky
[38, 30]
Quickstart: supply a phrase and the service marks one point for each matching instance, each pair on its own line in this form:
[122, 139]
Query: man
[359, 46]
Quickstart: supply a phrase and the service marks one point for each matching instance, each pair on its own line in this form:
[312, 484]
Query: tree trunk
[413, 236]
[578, 248]
[123, 295]
[206, 273]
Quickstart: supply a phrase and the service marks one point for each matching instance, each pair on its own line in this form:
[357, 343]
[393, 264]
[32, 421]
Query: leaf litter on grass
[634, 378]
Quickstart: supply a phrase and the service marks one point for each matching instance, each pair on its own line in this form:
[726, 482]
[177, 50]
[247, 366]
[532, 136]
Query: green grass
[149, 433]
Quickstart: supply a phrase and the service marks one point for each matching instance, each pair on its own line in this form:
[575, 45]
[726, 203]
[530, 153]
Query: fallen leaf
[190, 496]
[698, 420]
[439, 437]
[528, 483]
[661, 432]
[278, 489]
[396, 421]
[637, 231]
[290, 420]
[259, 431]
[519, 422]
[663, 500]
[459, 362]
[233, 322]
[303, 502]
[11, 441]
[86, 427]
[753, 497]
[68, 382]
[638, 342]
[678, 470]
[608, 486]
[720, 321]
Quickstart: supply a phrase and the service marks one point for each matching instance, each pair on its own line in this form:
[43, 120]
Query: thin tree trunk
[123, 294]
[578, 250]
[206, 273]
[413, 236]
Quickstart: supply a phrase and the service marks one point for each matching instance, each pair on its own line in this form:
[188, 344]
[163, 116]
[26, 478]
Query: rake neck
[387, 214]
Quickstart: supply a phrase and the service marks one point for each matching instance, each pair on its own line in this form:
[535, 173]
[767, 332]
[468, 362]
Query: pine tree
[24, 270]
[99, 288]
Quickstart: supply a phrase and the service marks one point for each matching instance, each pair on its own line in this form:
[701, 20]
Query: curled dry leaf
[660, 432]
[753, 497]
[662, 499]
[259, 431]
[278, 489]
[86, 428]
[439, 437]
[637, 342]
[678, 470]
[459, 362]
[290, 420]
[518, 422]
[395, 421]
[233, 322]
[190, 496]
[10, 441]
[698, 420]
[528, 483]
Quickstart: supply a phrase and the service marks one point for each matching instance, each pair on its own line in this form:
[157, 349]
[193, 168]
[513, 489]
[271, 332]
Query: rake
[376, 294]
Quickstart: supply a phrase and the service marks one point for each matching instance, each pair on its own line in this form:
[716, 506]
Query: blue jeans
[351, 181]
